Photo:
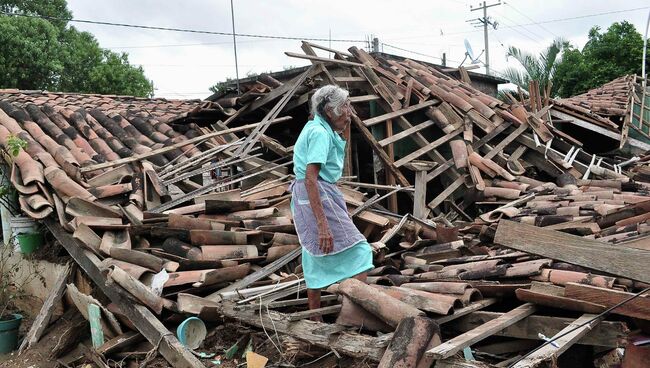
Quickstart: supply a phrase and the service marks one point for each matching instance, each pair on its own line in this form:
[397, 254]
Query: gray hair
[328, 97]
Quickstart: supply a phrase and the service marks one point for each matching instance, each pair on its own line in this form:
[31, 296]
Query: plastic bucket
[29, 242]
[22, 225]
[9, 333]
[192, 332]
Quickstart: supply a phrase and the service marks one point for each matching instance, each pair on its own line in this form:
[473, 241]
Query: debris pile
[494, 236]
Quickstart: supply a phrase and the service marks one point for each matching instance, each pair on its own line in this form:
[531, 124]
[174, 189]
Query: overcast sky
[185, 65]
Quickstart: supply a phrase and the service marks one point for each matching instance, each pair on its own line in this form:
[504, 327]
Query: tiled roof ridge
[122, 97]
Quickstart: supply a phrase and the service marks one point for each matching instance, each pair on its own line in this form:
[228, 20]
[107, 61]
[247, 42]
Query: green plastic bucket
[29, 242]
[9, 333]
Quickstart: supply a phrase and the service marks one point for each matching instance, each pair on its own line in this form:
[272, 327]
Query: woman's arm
[326, 241]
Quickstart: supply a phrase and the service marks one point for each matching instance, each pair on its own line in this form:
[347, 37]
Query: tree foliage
[605, 56]
[541, 68]
[49, 54]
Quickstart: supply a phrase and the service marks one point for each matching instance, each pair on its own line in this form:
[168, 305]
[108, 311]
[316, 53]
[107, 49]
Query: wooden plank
[365, 98]
[388, 164]
[469, 338]
[420, 197]
[394, 114]
[42, 320]
[502, 144]
[257, 275]
[431, 146]
[297, 316]
[638, 307]
[390, 179]
[607, 333]
[287, 303]
[322, 59]
[148, 325]
[347, 79]
[565, 338]
[405, 133]
[466, 310]
[126, 339]
[447, 192]
[621, 261]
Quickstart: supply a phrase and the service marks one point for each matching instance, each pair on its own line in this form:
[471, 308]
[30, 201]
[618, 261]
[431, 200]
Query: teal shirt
[319, 144]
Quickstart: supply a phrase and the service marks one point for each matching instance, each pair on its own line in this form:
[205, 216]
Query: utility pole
[375, 44]
[486, 21]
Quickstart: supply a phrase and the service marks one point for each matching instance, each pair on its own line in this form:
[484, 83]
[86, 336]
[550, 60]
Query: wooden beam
[607, 334]
[488, 329]
[390, 179]
[458, 313]
[620, 261]
[405, 133]
[348, 343]
[502, 144]
[258, 275]
[447, 192]
[171, 147]
[420, 197]
[429, 147]
[365, 98]
[565, 338]
[322, 59]
[638, 307]
[42, 320]
[388, 164]
[146, 323]
[393, 114]
[297, 316]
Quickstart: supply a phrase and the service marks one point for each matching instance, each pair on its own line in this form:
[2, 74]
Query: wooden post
[390, 179]
[420, 198]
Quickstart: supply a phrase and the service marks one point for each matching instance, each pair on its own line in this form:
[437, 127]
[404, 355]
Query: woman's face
[340, 122]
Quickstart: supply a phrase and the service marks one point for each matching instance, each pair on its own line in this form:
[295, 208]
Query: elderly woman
[332, 247]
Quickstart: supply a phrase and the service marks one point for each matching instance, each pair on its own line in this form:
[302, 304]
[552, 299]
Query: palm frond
[517, 77]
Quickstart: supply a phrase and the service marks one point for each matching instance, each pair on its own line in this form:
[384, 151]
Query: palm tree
[539, 68]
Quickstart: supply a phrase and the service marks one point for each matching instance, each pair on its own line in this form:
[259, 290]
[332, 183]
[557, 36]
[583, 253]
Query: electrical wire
[184, 30]
[601, 315]
[537, 23]
[512, 24]
[532, 20]
[418, 53]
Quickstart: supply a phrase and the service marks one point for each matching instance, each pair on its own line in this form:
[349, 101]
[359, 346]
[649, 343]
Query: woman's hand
[325, 239]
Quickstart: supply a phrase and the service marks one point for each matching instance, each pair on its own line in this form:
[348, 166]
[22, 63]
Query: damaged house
[499, 237]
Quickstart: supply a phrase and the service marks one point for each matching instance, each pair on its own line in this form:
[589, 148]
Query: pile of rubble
[491, 231]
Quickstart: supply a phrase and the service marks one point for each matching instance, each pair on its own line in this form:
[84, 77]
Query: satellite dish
[468, 51]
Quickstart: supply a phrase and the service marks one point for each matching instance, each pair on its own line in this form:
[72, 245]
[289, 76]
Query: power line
[412, 52]
[184, 30]
[582, 16]
[513, 24]
[532, 20]
[539, 22]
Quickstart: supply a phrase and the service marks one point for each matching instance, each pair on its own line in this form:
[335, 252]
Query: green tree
[48, 54]
[541, 68]
[605, 56]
